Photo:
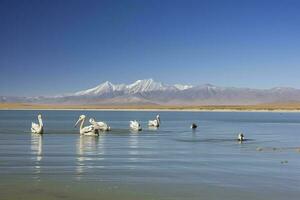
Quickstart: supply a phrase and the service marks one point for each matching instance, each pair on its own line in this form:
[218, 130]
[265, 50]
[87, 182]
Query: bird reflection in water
[86, 149]
[37, 152]
[152, 128]
[133, 148]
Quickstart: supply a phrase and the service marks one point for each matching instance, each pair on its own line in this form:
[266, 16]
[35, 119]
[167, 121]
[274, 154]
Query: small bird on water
[193, 126]
[241, 137]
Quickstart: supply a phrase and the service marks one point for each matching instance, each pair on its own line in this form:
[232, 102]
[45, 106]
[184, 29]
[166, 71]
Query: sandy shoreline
[151, 110]
[291, 107]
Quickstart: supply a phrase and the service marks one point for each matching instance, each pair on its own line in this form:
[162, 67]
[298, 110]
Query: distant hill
[151, 92]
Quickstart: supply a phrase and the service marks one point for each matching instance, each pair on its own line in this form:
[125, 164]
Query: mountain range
[149, 91]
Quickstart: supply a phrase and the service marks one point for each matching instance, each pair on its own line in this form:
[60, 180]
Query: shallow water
[171, 162]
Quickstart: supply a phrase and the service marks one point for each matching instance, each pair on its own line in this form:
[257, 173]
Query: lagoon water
[172, 162]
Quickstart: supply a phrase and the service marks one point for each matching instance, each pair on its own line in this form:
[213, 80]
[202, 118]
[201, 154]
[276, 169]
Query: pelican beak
[77, 122]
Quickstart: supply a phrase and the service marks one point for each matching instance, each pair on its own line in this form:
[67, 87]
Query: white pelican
[154, 123]
[135, 125]
[102, 126]
[88, 130]
[193, 126]
[241, 137]
[38, 128]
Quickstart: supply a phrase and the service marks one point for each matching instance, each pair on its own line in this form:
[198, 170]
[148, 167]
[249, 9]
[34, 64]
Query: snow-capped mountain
[139, 86]
[146, 85]
[182, 87]
[149, 91]
[106, 87]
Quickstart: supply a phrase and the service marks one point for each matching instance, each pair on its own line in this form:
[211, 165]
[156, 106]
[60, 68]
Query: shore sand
[292, 107]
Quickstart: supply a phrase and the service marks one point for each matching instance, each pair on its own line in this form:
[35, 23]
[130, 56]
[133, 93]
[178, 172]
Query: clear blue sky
[53, 47]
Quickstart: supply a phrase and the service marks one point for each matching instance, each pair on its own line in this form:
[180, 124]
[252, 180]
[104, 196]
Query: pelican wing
[135, 125]
[35, 126]
[153, 123]
[101, 124]
[87, 129]
[98, 124]
[150, 123]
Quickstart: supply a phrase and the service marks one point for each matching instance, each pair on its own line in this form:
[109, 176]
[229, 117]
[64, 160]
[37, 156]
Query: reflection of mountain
[150, 92]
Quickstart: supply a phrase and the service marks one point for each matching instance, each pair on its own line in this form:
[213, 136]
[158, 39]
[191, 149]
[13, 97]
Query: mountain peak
[98, 90]
[106, 83]
[144, 81]
[145, 85]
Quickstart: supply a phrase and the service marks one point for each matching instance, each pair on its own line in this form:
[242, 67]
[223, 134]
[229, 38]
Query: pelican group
[37, 128]
[87, 130]
[96, 127]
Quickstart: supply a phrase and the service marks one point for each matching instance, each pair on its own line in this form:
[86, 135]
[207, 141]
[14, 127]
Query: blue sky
[53, 47]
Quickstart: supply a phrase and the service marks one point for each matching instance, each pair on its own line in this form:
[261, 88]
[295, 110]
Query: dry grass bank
[260, 107]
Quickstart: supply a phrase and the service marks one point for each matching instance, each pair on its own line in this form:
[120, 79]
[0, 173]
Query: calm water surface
[172, 162]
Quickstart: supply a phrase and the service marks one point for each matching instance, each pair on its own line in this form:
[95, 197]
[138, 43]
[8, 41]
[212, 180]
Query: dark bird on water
[193, 126]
